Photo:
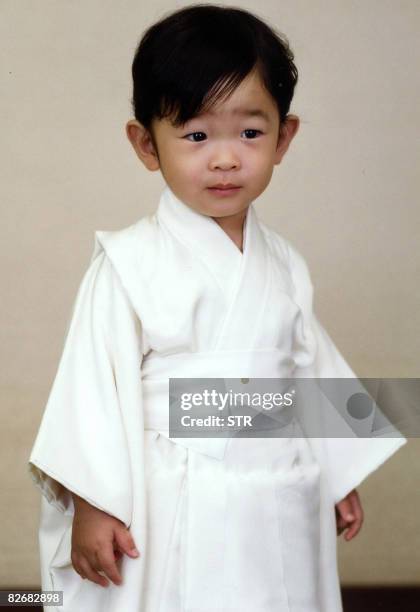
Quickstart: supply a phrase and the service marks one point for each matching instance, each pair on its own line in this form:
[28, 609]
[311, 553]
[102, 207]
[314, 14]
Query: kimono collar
[200, 232]
[243, 277]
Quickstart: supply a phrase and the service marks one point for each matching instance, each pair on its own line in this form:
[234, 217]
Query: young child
[200, 289]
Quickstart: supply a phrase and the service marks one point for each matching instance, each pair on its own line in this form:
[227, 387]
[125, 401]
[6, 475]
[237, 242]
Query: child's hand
[98, 541]
[349, 514]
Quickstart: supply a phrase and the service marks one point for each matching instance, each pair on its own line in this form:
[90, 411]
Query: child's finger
[125, 542]
[91, 574]
[356, 524]
[345, 509]
[349, 515]
[353, 529]
[357, 511]
[357, 506]
[341, 523]
[107, 563]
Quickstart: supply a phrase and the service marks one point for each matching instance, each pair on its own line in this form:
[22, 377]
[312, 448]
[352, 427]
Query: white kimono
[235, 524]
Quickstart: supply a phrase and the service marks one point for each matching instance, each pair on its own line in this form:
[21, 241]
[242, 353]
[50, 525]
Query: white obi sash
[240, 367]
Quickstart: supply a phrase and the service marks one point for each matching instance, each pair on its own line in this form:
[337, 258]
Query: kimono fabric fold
[235, 524]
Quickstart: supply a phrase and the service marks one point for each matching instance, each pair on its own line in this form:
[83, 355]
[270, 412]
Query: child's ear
[287, 132]
[143, 144]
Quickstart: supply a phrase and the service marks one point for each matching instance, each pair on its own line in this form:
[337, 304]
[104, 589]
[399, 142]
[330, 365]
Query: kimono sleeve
[350, 458]
[81, 442]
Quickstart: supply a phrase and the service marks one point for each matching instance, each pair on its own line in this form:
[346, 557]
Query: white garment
[236, 524]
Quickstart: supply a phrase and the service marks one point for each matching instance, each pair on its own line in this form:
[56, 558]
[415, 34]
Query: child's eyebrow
[248, 112]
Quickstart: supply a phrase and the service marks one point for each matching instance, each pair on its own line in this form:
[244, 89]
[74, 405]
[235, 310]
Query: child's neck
[233, 226]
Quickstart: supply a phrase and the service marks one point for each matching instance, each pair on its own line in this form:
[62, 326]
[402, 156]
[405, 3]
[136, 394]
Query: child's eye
[194, 134]
[252, 132]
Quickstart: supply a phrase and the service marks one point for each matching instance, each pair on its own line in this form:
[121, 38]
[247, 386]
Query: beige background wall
[346, 195]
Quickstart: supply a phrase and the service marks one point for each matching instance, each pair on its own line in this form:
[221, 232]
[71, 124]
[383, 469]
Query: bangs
[206, 69]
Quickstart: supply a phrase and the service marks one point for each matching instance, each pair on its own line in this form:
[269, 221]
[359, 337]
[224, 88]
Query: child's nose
[224, 160]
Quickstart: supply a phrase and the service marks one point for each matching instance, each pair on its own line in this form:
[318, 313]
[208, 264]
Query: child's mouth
[224, 191]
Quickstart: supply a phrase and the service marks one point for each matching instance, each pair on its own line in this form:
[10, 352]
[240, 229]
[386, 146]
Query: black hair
[197, 55]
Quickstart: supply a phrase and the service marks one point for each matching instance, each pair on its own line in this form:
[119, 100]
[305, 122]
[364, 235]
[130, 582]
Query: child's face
[222, 146]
